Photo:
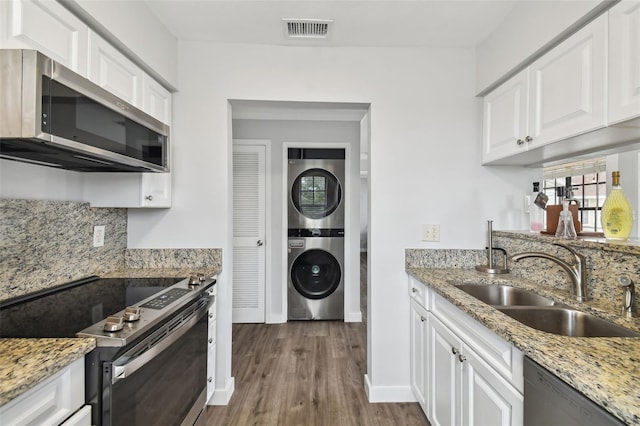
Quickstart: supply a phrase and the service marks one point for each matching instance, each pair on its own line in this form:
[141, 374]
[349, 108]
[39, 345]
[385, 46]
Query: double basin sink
[544, 314]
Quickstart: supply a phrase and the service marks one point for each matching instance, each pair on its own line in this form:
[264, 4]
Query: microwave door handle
[133, 364]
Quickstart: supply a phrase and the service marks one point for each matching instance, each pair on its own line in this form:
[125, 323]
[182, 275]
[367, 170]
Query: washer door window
[316, 193]
[315, 274]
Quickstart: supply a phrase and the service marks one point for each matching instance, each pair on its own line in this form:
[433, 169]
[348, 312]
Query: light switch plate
[98, 236]
[430, 232]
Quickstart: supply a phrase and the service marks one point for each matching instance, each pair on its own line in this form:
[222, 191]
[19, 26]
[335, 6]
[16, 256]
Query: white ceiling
[396, 23]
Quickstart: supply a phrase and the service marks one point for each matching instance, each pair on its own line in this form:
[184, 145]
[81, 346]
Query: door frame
[268, 282]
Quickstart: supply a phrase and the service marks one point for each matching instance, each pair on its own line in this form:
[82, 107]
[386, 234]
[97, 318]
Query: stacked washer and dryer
[316, 234]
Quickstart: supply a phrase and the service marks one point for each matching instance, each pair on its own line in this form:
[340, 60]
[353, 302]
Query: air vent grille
[306, 28]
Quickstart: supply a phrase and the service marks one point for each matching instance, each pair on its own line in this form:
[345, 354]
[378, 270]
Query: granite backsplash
[606, 262]
[48, 243]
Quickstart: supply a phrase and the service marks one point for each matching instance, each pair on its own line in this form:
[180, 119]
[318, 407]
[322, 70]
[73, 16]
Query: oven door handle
[131, 365]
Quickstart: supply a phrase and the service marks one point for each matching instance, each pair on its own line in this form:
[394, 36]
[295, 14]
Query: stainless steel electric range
[150, 363]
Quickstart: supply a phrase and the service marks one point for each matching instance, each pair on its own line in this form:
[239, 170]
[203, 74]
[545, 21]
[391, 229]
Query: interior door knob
[260, 243]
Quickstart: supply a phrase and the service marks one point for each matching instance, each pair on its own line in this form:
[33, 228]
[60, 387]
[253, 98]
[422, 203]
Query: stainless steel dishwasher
[550, 401]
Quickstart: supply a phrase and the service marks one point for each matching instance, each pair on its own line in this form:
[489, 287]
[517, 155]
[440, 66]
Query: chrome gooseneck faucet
[577, 271]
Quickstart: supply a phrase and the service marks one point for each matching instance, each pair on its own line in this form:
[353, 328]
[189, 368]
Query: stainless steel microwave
[52, 116]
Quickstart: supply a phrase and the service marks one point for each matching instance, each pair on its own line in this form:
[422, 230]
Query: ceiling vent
[306, 28]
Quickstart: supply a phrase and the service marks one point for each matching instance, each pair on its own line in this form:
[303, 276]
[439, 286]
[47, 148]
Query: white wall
[528, 27]
[282, 131]
[31, 182]
[425, 167]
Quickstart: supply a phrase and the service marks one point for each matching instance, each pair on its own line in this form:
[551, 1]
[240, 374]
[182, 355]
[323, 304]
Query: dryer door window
[316, 193]
[315, 274]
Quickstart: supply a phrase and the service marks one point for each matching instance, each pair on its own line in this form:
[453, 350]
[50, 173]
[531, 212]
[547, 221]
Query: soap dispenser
[566, 229]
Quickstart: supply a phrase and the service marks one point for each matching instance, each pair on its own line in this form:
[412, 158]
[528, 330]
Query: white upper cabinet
[506, 119]
[567, 89]
[624, 61]
[45, 26]
[156, 100]
[128, 190]
[561, 95]
[113, 71]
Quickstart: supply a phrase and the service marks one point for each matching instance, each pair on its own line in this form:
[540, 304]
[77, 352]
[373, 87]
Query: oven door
[162, 380]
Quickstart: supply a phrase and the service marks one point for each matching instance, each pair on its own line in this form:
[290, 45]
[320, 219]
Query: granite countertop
[606, 370]
[26, 362]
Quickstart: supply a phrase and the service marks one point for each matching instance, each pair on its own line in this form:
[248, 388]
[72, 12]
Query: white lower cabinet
[487, 398]
[419, 341]
[58, 400]
[211, 354]
[461, 372]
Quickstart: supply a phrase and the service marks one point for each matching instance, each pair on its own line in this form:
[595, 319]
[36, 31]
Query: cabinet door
[624, 61]
[156, 100]
[111, 70]
[49, 402]
[506, 119]
[155, 190]
[211, 361]
[128, 190]
[419, 340]
[45, 26]
[444, 375]
[567, 89]
[486, 397]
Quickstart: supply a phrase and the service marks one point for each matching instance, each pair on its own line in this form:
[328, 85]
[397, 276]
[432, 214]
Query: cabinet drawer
[419, 292]
[501, 355]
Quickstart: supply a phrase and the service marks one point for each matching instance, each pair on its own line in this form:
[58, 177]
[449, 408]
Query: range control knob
[132, 313]
[202, 278]
[113, 324]
[193, 280]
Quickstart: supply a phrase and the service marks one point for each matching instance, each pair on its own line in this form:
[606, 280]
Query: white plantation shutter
[248, 229]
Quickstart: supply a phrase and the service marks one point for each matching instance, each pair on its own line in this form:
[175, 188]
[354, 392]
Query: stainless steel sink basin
[504, 295]
[565, 321]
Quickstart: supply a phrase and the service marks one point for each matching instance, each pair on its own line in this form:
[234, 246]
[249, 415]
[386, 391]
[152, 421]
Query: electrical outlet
[98, 236]
[430, 232]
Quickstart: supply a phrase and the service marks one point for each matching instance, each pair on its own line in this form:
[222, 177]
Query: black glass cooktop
[64, 311]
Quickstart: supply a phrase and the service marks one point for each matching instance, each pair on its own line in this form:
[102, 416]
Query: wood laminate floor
[305, 373]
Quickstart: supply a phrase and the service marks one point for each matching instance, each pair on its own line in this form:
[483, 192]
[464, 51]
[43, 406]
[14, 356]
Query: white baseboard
[388, 393]
[353, 316]
[223, 396]
[276, 319]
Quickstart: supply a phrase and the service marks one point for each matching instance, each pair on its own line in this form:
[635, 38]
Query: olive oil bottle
[617, 216]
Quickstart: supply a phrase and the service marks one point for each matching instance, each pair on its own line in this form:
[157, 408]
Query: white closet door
[249, 234]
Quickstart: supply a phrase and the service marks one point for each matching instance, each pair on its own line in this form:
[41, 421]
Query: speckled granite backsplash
[606, 262]
[173, 258]
[46, 243]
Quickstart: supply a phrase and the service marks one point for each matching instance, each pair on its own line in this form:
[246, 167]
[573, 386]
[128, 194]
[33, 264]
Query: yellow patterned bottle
[617, 216]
